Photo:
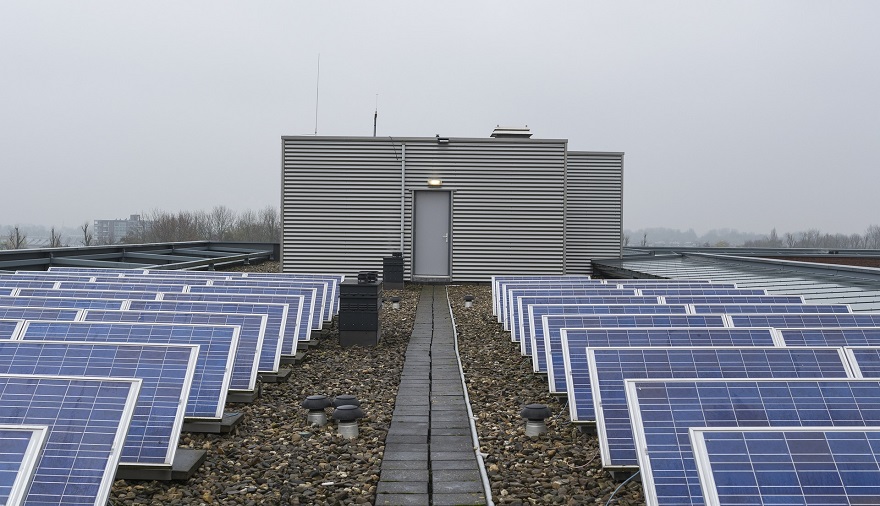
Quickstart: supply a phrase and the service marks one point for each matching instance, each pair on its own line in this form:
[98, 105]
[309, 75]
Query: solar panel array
[739, 358]
[130, 378]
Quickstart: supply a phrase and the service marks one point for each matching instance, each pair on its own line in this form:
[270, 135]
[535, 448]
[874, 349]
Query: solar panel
[123, 285]
[87, 420]
[701, 291]
[795, 465]
[165, 370]
[7, 291]
[10, 328]
[217, 344]
[39, 313]
[549, 352]
[276, 320]
[733, 299]
[20, 448]
[296, 313]
[575, 343]
[50, 276]
[865, 360]
[313, 297]
[667, 284]
[325, 290]
[663, 411]
[62, 303]
[26, 283]
[830, 337]
[789, 321]
[526, 328]
[86, 294]
[252, 328]
[497, 281]
[768, 308]
[515, 291]
[134, 281]
[662, 281]
[609, 367]
[536, 312]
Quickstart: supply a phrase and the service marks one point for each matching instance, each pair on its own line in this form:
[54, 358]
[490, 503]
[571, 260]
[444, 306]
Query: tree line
[813, 238]
[219, 224]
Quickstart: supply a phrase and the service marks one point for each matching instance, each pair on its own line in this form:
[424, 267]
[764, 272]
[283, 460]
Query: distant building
[459, 209]
[114, 231]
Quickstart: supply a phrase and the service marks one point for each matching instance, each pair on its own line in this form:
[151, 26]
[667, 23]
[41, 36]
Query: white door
[432, 236]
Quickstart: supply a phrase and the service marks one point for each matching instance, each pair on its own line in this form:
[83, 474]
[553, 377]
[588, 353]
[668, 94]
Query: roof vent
[501, 132]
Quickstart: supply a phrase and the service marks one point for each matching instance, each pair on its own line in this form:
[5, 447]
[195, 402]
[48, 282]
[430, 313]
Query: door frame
[431, 279]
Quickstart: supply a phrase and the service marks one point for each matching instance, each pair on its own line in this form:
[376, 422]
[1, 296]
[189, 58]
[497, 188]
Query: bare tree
[271, 224]
[221, 222]
[87, 238]
[54, 239]
[624, 240]
[16, 239]
[872, 237]
[645, 239]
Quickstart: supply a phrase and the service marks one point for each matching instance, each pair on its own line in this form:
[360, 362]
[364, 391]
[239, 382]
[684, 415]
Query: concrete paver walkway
[429, 453]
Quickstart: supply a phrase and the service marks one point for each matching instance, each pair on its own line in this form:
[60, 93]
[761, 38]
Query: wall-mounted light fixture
[442, 140]
[435, 183]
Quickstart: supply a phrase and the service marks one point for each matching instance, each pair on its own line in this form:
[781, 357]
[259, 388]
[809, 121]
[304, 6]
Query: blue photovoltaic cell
[769, 308]
[525, 330]
[515, 291]
[297, 325]
[38, 313]
[252, 328]
[791, 466]
[794, 321]
[574, 344]
[87, 294]
[627, 284]
[123, 286]
[864, 360]
[20, 448]
[313, 298]
[166, 371]
[498, 281]
[323, 287]
[26, 283]
[830, 337]
[608, 368]
[536, 312]
[733, 299]
[134, 282]
[270, 356]
[549, 351]
[87, 420]
[701, 291]
[217, 345]
[46, 276]
[63, 303]
[6, 291]
[663, 410]
[9, 328]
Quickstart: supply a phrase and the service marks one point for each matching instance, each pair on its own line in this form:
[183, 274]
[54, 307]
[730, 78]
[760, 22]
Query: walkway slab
[429, 454]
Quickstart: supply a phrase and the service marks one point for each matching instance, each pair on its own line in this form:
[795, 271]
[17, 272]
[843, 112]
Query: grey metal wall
[594, 211]
[341, 203]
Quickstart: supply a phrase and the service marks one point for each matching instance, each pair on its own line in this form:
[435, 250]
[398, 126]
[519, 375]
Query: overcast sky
[746, 115]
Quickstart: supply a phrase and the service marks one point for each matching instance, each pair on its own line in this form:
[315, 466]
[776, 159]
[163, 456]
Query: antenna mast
[317, 92]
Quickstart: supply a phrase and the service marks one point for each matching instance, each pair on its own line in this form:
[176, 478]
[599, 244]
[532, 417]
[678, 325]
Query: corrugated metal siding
[594, 217]
[340, 206]
[341, 203]
[507, 203]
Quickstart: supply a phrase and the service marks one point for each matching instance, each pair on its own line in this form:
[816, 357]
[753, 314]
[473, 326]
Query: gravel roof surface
[274, 457]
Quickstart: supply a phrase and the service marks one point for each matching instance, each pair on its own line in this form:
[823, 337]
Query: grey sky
[745, 115]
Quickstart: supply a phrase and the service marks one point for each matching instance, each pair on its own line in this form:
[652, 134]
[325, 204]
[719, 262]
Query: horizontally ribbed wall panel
[594, 216]
[507, 199]
[340, 205]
